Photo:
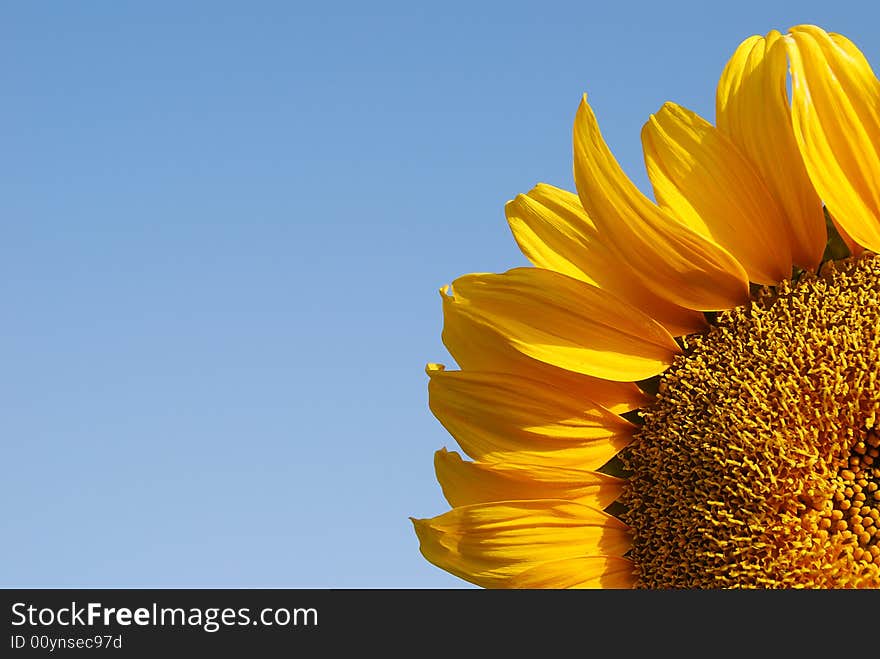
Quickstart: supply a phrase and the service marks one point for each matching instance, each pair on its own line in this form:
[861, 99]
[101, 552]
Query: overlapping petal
[554, 232]
[498, 417]
[854, 248]
[492, 544]
[567, 323]
[752, 108]
[669, 258]
[477, 347]
[701, 178]
[836, 113]
[466, 482]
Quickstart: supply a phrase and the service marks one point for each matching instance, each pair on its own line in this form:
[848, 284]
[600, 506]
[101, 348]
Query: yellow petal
[854, 248]
[702, 179]
[672, 260]
[567, 323]
[489, 544]
[465, 482]
[475, 346]
[836, 114]
[554, 232]
[497, 417]
[752, 108]
[608, 572]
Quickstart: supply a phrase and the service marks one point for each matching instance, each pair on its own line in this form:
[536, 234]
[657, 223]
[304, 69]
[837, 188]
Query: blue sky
[222, 231]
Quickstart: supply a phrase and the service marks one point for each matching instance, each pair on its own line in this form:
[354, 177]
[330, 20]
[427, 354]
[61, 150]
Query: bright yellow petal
[607, 572]
[465, 483]
[702, 179]
[497, 417]
[477, 347]
[670, 259]
[854, 248]
[554, 232]
[489, 544]
[752, 108]
[567, 323]
[836, 113]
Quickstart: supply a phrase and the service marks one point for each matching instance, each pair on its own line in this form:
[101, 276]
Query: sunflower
[681, 393]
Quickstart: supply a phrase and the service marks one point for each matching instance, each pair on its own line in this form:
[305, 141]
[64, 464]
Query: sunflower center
[758, 466]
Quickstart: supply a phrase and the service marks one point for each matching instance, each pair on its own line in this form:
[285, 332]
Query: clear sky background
[222, 230]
